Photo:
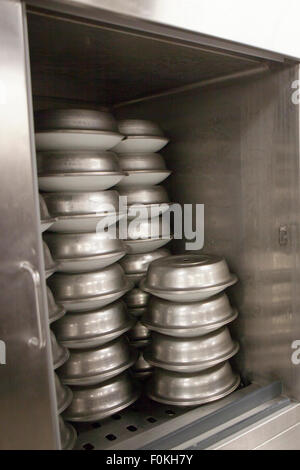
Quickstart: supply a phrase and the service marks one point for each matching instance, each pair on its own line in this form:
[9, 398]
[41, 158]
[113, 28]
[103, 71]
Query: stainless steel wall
[235, 148]
[259, 24]
[28, 409]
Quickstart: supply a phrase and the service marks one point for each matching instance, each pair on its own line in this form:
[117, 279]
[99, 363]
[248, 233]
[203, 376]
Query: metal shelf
[149, 425]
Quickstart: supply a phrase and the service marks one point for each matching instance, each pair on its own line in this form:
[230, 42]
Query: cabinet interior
[234, 135]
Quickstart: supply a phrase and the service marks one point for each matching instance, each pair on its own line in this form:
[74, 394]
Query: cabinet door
[27, 393]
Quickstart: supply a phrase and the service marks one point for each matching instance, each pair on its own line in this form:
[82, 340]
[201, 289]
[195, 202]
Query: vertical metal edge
[43, 299]
[28, 398]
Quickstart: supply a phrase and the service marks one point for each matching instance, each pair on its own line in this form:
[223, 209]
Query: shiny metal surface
[146, 196]
[60, 354]
[143, 178]
[178, 429]
[191, 354]
[40, 340]
[137, 312]
[252, 110]
[46, 219]
[82, 252]
[142, 127]
[136, 298]
[188, 271]
[145, 236]
[188, 319]
[187, 295]
[63, 394]
[279, 431]
[139, 263]
[66, 139]
[93, 328]
[138, 144]
[141, 369]
[87, 291]
[134, 162]
[145, 246]
[54, 311]
[82, 211]
[178, 64]
[88, 119]
[238, 425]
[96, 365]
[199, 24]
[140, 344]
[50, 265]
[70, 162]
[81, 203]
[266, 233]
[138, 333]
[142, 169]
[194, 388]
[100, 401]
[135, 278]
[68, 435]
[146, 229]
[69, 182]
[95, 302]
[188, 277]
[249, 404]
[85, 285]
[243, 209]
[24, 324]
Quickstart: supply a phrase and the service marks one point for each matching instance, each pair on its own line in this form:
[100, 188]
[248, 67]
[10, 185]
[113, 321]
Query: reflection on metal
[280, 431]
[110, 62]
[158, 426]
[235, 149]
[196, 24]
[27, 396]
[2, 352]
[222, 79]
[35, 276]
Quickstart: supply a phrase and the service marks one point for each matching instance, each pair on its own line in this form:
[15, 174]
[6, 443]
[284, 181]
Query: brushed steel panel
[80, 61]
[235, 148]
[279, 431]
[248, 25]
[286, 440]
[27, 395]
[163, 426]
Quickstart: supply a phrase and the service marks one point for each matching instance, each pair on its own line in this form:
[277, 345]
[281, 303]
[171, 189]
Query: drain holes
[116, 417]
[151, 419]
[88, 446]
[111, 437]
[170, 412]
[96, 425]
[131, 428]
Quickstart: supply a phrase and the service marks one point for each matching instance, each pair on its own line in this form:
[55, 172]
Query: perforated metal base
[140, 417]
[149, 425]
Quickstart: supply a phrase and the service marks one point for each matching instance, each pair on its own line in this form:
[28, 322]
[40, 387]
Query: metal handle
[40, 341]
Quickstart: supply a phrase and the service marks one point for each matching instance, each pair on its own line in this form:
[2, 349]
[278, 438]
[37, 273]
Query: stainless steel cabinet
[234, 146]
[256, 27]
[28, 405]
